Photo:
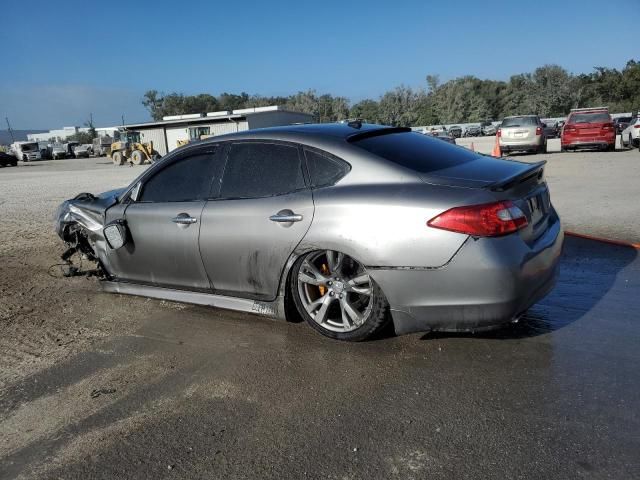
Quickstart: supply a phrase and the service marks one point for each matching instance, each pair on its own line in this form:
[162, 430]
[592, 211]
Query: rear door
[262, 212]
[164, 224]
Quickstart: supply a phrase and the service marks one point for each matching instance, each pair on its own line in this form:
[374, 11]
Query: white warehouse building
[61, 134]
[175, 130]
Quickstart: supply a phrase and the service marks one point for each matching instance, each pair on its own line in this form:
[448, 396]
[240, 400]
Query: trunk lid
[483, 172]
[522, 183]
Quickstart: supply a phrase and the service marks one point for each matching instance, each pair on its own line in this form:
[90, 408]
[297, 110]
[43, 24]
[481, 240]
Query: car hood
[482, 172]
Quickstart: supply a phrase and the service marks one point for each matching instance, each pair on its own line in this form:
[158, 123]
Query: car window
[185, 180]
[257, 169]
[519, 122]
[597, 117]
[324, 169]
[421, 153]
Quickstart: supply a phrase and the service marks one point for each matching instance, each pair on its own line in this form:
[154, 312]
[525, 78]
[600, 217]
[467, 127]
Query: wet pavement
[203, 393]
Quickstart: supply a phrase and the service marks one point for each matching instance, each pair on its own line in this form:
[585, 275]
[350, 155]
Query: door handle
[286, 217]
[184, 219]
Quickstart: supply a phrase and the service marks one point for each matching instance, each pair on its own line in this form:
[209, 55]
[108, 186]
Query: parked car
[7, 160]
[58, 151]
[488, 128]
[630, 136]
[26, 151]
[550, 129]
[102, 145]
[348, 226]
[71, 146]
[455, 131]
[45, 151]
[444, 136]
[620, 123]
[522, 133]
[588, 128]
[84, 150]
[473, 131]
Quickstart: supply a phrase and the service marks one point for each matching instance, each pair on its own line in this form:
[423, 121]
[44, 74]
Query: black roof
[344, 131]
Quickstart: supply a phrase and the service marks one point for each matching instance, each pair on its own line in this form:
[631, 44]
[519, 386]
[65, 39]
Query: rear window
[594, 117]
[519, 122]
[420, 153]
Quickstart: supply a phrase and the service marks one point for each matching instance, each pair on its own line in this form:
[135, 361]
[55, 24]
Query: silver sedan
[347, 226]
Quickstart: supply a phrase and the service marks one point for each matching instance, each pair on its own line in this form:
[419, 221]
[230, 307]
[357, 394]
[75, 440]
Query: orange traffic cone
[496, 149]
[472, 148]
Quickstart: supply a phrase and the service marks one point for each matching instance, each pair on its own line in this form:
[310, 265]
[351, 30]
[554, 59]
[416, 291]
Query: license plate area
[539, 206]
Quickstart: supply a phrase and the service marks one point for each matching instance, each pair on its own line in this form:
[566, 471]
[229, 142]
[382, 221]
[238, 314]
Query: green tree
[366, 110]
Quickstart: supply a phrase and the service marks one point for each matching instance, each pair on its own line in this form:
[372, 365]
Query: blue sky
[62, 60]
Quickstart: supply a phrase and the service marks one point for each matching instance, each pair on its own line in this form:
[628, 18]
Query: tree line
[548, 91]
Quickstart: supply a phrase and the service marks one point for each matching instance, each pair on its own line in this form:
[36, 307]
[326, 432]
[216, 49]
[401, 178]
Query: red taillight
[607, 126]
[499, 133]
[636, 126]
[539, 131]
[486, 220]
[570, 129]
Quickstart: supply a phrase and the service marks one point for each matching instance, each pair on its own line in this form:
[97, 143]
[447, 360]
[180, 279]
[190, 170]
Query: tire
[14, 163]
[137, 157]
[354, 307]
[118, 158]
[542, 148]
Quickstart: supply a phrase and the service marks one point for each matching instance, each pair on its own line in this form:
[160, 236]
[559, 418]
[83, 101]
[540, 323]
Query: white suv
[630, 136]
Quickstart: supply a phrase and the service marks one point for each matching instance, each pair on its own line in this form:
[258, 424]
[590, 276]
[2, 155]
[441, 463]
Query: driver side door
[164, 224]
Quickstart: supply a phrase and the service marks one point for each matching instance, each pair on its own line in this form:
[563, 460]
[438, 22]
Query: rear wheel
[118, 158]
[137, 157]
[337, 297]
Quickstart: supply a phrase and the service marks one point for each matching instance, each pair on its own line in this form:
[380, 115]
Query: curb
[619, 243]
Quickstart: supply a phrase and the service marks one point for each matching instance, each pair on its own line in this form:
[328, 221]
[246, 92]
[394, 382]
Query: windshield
[415, 151]
[29, 147]
[595, 117]
[519, 122]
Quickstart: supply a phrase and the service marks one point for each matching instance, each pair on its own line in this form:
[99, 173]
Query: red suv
[588, 128]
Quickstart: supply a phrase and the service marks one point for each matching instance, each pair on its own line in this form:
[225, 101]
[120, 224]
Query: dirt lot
[103, 386]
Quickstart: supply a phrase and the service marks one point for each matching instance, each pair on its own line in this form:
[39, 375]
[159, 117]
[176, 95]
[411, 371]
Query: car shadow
[589, 271]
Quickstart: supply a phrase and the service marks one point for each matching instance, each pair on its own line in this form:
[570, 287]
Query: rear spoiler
[534, 170]
[376, 133]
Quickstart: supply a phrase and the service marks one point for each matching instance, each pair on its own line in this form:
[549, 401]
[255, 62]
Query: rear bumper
[528, 144]
[489, 282]
[588, 142]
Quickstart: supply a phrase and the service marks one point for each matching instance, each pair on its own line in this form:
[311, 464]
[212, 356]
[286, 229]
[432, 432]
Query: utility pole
[10, 130]
[123, 120]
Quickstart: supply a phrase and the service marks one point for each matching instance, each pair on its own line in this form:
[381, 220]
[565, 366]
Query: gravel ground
[107, 386]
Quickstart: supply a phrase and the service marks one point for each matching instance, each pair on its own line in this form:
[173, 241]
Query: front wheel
[137, 157]
[118, 158]
[337, 297]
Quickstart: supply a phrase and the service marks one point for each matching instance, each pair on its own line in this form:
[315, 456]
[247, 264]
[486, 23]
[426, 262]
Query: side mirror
[115, 233]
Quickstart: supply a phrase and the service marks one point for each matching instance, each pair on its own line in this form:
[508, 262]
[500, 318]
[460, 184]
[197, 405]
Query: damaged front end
[80, 223]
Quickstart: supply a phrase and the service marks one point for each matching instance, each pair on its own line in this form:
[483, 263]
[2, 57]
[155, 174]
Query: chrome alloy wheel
[335, 290]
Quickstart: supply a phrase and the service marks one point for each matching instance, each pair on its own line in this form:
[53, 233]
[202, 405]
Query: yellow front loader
[129, 149]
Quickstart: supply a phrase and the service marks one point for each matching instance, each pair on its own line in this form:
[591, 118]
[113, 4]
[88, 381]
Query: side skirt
[273, 309]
